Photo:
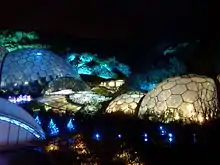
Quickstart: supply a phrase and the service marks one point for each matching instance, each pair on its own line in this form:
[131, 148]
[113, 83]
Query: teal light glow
[104, 72]
[147, 86]
[71, 57]
[90, 64]
[174, 49]
[85, 70]
[125, 69]
[146, 81]
[87, 57]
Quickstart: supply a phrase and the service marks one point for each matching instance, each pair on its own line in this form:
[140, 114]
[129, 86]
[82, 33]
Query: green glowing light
[19, 40]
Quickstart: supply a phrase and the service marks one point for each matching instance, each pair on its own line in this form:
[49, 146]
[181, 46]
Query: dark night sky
[109, 19]
[127, 25]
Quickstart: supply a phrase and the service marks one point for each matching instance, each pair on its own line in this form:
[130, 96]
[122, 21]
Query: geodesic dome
[21, 67]
[17, 126]
[126, 103]
[67, 83]
[189, 98]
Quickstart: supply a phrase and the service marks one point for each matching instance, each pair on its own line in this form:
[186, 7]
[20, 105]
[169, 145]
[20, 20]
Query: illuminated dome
[126, 103]
[24, 66]
[64, 83]
[17, 126]
[189, 98]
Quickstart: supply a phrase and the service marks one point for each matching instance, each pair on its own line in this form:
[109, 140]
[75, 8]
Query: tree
[70, 125]
[53, 129]
[13, 40]
[90, 64]
[147, 81]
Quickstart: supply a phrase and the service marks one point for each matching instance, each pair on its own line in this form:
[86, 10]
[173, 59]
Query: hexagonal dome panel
[67, 83]
[178, 89]
[21, 67]
[190, 98]
[126, 103]
[17, 126]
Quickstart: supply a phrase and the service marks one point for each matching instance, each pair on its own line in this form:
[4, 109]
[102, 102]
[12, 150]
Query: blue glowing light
[37, 134]
[87, 57]
[20, 99]
[146, 86]
[170, 135]
[151, 86]
[71, 57]
[170, 140]
[97, 136]
[37, 119]
[70, 125]
[119, 136]
[53, 129]
[145, 137]
[162, 130]
[85, 70]
[125, 69]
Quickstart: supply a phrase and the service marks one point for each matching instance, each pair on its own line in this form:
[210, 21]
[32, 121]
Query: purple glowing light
[20, 99]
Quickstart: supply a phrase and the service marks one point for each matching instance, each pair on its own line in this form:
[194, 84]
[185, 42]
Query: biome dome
[67, 83]
[17, 126]
[126, 103]
[21, 67]
[189, 98]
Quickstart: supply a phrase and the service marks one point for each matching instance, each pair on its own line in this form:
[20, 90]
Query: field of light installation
[77, 101]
